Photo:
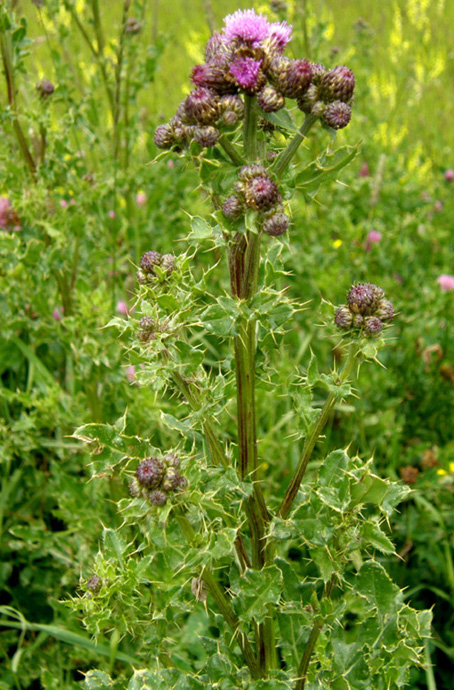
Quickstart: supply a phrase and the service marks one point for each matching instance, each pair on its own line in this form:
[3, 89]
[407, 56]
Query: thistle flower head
[245, 26]
[246, 72]
[270, 100]
[172, 460]
[337, 115]
[261, 193]
[361, 298]
[232, 208]
[150, 472]
[164, 137]
[276, 224]
[372, 325]
[206, 136]
[147, 323]
[248, 172]
[343, 318]
[149, 260]
[45, 88]
[158, 497]
[168, 263]
[201, 106]
[337, 85]
[94, 584]
[214, 75]
[385, 310]
[294, 78]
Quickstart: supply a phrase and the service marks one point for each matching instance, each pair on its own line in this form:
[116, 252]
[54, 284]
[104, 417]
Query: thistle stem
[223, 604]
[231, 150]
[283, 160]
[312, 439]
[244, 262]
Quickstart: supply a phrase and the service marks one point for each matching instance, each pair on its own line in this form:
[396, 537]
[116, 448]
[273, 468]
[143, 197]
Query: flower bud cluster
[152, 260]
[366, 311]
[156, 479]
[256, 190]
[330, 95]
[247, 58]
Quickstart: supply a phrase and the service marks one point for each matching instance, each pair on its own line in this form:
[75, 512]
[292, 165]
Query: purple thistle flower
[247, 27]
[246, 72]
[280, 35]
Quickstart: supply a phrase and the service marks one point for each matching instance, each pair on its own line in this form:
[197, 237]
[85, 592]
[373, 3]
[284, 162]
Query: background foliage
[66, 273]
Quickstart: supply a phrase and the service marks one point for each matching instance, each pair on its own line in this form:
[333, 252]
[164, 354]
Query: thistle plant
[207, 534]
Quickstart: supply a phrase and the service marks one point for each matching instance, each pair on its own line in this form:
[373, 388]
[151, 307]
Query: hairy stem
[283, 160]
[223, 604]
[313, 436]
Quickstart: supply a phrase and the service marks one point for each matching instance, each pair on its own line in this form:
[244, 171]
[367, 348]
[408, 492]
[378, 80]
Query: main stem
[244, 262]
[313, 436]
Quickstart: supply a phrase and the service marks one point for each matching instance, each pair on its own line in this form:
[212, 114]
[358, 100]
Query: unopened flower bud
[318, 71]
[358, 320]
[146, 336]
[361, 298]
[384, 310]
[228, 119]
[45, 88]
[294, 79]
[232, 103]
[94, 584]
[206, 136]
[248, 172]
[276, 225]
[134, 488]
[133, 26]
[150, 472]
[261, 193]
[164, 137]
[168, 263]
[202, 106]
[337, 115]
[214, 75]
[307, 101]
[149, 260]
[270, 100]
[147, 323]
[172, 460]
[171, 479]
[157, 497]
[337, 85]
[343, 318]
[232, 207]
[141, 278]
[372, 325]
